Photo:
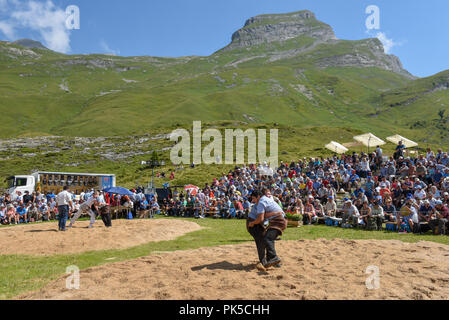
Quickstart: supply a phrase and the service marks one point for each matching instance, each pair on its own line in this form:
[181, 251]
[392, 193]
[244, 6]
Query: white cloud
[388, 43]
[42, 17]
[7, 29]
[108, 50]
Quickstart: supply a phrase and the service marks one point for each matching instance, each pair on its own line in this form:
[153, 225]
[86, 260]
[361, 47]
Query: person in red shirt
[384, 191]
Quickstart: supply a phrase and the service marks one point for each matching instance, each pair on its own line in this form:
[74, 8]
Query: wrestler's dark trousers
[269, 240]
[258, 234]
[106, 219]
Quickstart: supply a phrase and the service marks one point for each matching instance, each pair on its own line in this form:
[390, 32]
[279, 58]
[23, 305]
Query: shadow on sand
[225, 265]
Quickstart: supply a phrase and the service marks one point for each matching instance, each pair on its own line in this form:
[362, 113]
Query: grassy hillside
[331, 88]
[97, 95]
[122, 155]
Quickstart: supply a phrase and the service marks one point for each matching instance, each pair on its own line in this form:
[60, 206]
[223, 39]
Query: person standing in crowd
[63, 201]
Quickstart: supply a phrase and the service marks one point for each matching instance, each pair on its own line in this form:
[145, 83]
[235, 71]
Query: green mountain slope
[288, 69]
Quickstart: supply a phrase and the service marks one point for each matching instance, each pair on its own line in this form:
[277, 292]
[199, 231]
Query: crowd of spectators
[351, 191]
[39, 207]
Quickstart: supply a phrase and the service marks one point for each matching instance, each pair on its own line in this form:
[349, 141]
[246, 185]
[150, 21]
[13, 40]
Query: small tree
[154, 156]
[441, 113]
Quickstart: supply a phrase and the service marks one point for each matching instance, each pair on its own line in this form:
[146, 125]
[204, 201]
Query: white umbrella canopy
[406, 142]
[369, 140]
[336, 147]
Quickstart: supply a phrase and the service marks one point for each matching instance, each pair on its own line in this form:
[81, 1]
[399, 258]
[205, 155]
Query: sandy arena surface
[44, 238]
[321, 269]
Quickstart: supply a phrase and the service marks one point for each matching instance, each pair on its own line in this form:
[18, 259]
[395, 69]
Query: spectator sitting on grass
[319, 209]
[350, 214]
[11, 213]
[309, 212]
[155, 209]
[3, 217]
[377, 214]
[409, 213]
[441, 218]
[365, 213]
[44, 212]
[330, 209]
[425, 212]
[21, 213]
[390, 210]
[33, 213]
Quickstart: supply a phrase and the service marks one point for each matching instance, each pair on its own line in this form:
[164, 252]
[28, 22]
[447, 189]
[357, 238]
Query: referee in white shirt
[63, 200]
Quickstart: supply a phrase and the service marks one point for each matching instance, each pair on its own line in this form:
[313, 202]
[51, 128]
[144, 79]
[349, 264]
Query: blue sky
[416, 29]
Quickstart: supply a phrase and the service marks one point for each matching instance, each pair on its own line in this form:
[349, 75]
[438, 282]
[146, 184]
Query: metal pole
[152, 176]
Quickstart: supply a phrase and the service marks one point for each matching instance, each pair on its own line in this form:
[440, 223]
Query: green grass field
[21, 273]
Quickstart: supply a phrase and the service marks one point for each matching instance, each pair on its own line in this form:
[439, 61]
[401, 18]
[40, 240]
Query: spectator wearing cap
[420, 194]
[384, 191]
[21, 213]
[446, 198]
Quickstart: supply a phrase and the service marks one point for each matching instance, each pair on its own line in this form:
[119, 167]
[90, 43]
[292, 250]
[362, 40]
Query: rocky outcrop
[280, 27]
[28, 43]
[367, 53]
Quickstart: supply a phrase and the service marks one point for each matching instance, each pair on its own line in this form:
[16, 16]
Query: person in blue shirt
[257, 230]
[267, 213]
[316, 184]
[369, 186]
[437, 176]
[358, 191]
[21, 212]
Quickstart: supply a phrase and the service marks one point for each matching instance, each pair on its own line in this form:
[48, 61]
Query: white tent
[406, 142]
[336, 147]
[369, 140]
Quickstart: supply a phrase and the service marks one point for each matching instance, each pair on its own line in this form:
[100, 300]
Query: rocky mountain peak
[280, 27]
[28, 43]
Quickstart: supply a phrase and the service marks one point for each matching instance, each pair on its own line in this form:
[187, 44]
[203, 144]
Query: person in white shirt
[420, 194]
[44, 211]
[86, 207]
[3, 216]
[63, 200]
[331, 207]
